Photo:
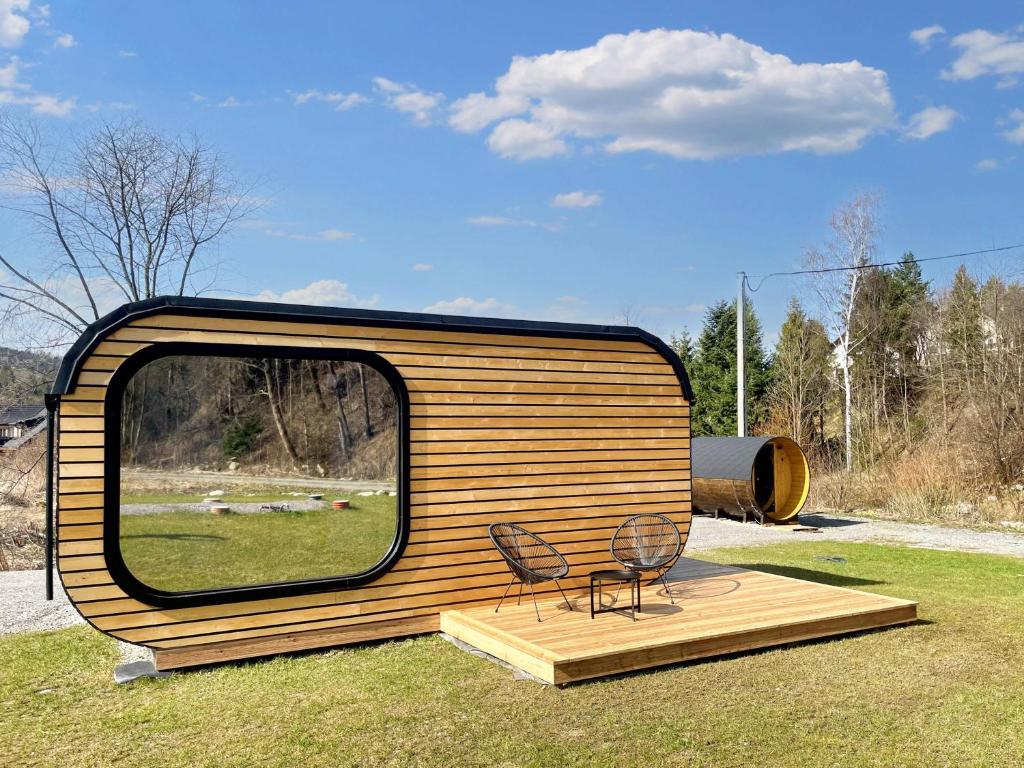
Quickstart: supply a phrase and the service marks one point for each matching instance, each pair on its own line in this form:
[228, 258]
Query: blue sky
[641, 171]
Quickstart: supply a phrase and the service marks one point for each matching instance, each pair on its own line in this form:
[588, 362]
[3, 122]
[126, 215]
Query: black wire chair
[531, 560]
[648, 543]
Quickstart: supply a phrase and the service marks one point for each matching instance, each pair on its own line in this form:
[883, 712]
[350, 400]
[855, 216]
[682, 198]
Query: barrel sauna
[766, 477]
[565, 429]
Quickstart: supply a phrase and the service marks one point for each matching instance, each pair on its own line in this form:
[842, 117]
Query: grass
[187, 550]
[946, 691]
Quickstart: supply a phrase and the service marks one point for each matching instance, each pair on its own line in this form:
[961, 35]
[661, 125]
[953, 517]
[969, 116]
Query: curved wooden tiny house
[565, 429]
[766, 476]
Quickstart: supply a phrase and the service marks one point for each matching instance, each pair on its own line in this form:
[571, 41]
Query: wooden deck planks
[718, 610]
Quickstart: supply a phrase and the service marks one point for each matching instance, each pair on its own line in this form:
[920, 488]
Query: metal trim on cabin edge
[141, 591]
[67, 375]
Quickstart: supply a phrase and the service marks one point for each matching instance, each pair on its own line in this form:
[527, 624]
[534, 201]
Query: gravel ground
[24, 609]
[298, 505]
[23, 605]
[708, 533]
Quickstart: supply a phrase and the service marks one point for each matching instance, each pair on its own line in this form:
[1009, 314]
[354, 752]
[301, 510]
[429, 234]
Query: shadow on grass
[806, 574]
[175, 536]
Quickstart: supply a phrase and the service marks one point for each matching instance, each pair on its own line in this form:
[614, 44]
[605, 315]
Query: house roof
[16, 414]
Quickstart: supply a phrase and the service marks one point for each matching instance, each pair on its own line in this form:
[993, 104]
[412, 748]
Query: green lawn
[186, 550]
[948, 691]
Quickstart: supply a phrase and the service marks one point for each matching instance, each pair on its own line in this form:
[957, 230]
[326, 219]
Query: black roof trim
[259, 310]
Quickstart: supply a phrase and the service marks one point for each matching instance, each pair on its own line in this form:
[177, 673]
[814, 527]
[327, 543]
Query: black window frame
[139, 590]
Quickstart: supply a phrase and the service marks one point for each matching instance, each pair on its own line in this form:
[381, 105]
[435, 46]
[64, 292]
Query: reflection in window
[232, 470]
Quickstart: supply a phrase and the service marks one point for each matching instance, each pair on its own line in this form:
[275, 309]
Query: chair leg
[505, 593]
[668, 589]
[519, 599]
[535, 608]
[567, 603]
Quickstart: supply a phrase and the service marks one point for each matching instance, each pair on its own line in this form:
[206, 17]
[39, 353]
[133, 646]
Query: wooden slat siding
[565, 436]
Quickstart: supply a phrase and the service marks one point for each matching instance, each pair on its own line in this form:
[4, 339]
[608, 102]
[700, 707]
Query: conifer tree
[713, 372]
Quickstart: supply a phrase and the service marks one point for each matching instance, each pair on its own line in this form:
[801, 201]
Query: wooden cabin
[565, 429]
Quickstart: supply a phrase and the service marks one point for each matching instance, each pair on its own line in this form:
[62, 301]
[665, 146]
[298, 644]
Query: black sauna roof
[258, 310]
[725, 458]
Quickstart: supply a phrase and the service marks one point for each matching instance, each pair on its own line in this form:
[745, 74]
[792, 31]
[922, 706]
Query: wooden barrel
[764, 476]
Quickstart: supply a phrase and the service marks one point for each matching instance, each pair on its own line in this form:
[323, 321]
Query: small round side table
[599, 578]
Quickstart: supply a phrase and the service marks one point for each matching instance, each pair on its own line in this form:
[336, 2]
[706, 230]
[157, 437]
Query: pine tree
[683, 346]
[713, 372]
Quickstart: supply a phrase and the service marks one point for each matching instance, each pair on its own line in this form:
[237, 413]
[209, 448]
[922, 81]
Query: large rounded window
[241, 472]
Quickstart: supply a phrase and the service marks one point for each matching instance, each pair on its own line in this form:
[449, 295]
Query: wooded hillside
[313, 417]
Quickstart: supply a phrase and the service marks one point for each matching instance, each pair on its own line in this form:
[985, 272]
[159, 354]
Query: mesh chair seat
[531, 559]
[647, 543]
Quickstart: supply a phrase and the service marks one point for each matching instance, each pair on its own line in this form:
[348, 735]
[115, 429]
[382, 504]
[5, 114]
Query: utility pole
[741, 383]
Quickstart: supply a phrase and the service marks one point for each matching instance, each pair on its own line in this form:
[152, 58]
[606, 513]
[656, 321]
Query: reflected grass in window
[181, 550]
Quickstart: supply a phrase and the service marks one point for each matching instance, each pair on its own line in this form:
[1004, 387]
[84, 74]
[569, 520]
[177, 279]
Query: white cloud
[323, 236]
[1015, 134]
[229, 103]
[930, 121]
[523, 140]
[987, 53]
[568, 309]
[127, 54]
[988, 164]
[683, 93]
[13, 23]
[923, 36]
[478, 110]
[65, 40]
[407, 98]
[322, 293]
[388, 86]
[13, 92]
[466, 306]
[421, 267]
[507, 221]
[578, 199]
[9, 74]
[341, 101]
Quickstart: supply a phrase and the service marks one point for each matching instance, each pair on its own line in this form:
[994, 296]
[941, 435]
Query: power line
[880, 264]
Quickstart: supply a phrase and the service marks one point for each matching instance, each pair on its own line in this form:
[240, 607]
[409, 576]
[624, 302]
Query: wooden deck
[717, 610]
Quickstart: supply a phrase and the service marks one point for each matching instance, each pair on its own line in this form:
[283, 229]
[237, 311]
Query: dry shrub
[939, 482]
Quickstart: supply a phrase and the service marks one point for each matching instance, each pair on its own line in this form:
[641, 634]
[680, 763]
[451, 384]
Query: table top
[616, 575]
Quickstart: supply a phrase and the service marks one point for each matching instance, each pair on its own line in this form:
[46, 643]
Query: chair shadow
[702, 588]
[807, 574]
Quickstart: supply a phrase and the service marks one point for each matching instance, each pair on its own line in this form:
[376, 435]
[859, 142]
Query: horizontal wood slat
[566, 436]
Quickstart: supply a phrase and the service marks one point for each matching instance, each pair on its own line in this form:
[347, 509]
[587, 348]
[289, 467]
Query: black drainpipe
[51, 407]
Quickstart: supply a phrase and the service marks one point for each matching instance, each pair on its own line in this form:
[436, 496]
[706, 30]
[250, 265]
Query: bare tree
[853, 242]
[125, 214]
[270, 368]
